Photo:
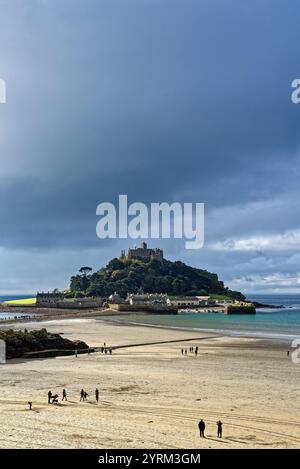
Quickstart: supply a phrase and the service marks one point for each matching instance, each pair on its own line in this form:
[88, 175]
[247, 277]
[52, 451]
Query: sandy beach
[150, 395]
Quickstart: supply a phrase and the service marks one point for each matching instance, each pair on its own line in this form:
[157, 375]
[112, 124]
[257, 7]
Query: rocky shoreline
[262, 305]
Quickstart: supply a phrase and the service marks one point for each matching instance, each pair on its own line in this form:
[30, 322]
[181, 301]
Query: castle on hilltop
[143, 253]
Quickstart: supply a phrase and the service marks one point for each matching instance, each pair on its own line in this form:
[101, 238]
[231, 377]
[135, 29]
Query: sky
[162, 100]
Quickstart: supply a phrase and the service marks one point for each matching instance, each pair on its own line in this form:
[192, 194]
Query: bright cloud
[286, 241]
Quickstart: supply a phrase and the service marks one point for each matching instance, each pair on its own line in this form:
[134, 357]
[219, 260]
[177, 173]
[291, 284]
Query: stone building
[58, 300]
[147, 298]
[144, 253]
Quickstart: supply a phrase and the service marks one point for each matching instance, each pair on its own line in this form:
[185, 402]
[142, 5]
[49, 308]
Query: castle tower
[145, 254]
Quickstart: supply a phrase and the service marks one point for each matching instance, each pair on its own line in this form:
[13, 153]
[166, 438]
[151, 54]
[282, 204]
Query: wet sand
[150, 395]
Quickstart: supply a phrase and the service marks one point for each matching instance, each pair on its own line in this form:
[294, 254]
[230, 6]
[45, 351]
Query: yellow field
[22, 302]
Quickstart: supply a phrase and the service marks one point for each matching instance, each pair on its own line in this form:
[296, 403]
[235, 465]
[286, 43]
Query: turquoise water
[283, 324]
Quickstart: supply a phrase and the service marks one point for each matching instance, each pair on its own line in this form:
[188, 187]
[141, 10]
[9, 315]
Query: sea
[280, 324]
[15, 297]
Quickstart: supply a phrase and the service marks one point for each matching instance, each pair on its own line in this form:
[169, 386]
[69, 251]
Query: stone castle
[144, 253]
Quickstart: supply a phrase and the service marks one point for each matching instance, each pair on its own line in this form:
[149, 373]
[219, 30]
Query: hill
[129, 275]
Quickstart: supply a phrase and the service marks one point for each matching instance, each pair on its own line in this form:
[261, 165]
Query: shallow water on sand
[5, 315]
[283, 324]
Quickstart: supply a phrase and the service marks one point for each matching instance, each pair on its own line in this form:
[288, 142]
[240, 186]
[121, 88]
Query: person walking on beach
[81, 395]
[97, 395]
[85, 396]
[76, 353]
[182, 351]
[30, 405]
[185, 352]
[219, 426]
[49, 397]
[110, 350]
[201, 426]
[196, 352]
[64, 398]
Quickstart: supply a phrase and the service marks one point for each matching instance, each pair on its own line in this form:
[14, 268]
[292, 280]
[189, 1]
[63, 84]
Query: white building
[147, 298]
[115, 299]
[188, 301]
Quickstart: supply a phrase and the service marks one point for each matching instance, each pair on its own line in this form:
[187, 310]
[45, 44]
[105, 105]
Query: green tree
[85, 270]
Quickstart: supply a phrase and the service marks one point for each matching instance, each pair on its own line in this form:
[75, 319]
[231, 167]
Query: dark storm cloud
[161, 100]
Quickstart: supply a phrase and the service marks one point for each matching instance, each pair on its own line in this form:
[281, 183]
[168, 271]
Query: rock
[18, 342]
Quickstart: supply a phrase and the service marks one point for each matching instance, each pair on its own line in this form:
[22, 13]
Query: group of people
[53, 398]
[193, 350]
[201, 426]
[106, 350]
[83, 395]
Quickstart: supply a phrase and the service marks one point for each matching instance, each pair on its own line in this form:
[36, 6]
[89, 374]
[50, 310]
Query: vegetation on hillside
[173, 278]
